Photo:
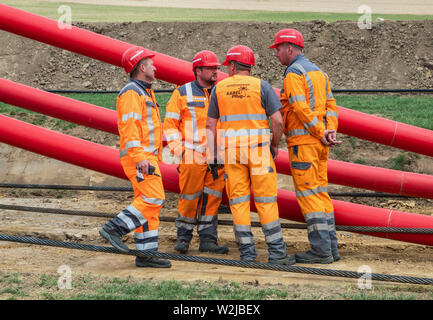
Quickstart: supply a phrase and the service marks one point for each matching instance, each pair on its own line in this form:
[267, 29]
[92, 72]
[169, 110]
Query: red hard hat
[205, 58]
[241, 54]
[133, 55]
[288, 35]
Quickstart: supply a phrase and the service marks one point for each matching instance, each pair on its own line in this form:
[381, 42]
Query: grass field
[415, 110]
[104, 13]
[15, 286]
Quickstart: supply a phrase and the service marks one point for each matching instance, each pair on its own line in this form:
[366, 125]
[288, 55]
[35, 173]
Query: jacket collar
[142, 84]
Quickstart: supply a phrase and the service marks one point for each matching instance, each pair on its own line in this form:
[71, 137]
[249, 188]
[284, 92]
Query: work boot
[152, 262]
[309, 257]
[335, 256]
[211, 246]
[181, 246]
[115, 239]
[288, 260]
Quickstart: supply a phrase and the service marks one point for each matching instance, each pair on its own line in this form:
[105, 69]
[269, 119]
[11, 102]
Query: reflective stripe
[184, 225]
[330, 215]
[136, 55]
[245, 240]
[146, 246]
[150, 126]
[156, 201]
[329, 96]
[137, 214]
[271, 225]
[331, 114]
[173, 136]
[130, 115]
[190, 196]
[298, 132]
[132, 144]
[195, 147]
[145, 235]
[150, 104]
[318, 227]
[310, 85]
[191, 108]
[172, 115]
[314, 215]
[240, 117]
[265, 199]
[310, 192]
[312, 123]
[245, 132]
[296, 98]
[276, 236]
[127, 220]
[207, 218]
[239, 200]
[242, 228]
[123, 153]
[213, 192]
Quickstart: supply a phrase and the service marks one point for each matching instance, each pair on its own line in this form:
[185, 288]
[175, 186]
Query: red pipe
[342, 173]
[178, 71]
[106, 160]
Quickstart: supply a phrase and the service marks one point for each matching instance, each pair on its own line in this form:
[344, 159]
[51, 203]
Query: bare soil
[354, 59]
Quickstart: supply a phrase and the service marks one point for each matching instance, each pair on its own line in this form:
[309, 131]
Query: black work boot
[212, 246]
[309, 257]
[335, 256]
[288, 260]
[151, 262]
[181, 246]
[115, 239]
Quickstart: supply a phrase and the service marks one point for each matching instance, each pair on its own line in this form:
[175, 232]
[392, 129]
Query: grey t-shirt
[270, 101]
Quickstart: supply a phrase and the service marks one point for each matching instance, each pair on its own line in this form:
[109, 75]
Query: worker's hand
[332, 138]
[274, 151]
[143, 167]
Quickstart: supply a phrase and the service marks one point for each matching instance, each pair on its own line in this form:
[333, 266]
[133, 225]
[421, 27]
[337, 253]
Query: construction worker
[243, 105]
[310, 125]
[201, 185]
[140, 150]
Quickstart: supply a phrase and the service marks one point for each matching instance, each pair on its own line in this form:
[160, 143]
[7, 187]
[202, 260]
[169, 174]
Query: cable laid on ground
[129, 189]
[218, 261]
[221, 222]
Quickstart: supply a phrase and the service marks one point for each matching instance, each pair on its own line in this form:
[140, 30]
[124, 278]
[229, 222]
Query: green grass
[104, 13]
[413, 110]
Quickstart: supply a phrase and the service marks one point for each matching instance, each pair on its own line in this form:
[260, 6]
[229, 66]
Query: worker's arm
[130, 117]
[277, 131]
[272, 105]
[172, 122]
[295, 90]
[211, 126]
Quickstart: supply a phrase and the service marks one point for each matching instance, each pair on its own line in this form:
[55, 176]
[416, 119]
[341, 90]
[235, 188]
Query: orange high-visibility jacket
[308, 104]
[242, 104]
[139, 123]
[185, 118]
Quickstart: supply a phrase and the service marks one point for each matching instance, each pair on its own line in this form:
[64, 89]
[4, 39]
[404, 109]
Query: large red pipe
[106, 160]
[342, 173]
[178, 71]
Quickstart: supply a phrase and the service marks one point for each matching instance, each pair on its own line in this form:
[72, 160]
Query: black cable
[108, 188]
[368, 229]
[426, 90]
[218, 261]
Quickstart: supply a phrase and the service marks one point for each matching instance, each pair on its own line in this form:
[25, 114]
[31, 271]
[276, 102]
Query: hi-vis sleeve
[331, 108]
[172, 122]
[130, 114]
[294, 86]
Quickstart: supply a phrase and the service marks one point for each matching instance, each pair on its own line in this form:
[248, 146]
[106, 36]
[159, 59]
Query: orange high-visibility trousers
[254, 167]
[199, 199]
[143, 213]
[309, 171]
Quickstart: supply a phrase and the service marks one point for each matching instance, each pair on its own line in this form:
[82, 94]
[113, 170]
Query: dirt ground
[354, 59]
